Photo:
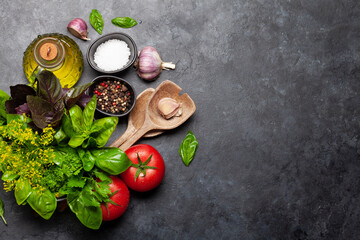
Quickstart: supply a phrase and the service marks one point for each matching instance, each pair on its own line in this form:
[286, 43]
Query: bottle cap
[48, 51]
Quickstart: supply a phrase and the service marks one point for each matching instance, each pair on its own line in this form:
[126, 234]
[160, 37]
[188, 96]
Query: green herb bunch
[66, 156]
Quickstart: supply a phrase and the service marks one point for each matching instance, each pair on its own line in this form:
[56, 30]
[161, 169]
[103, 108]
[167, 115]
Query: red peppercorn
[102, 84]
[99, 93]
[128, 94]
[106, 85]
[96, 92]
[117, 86]
[114, 103]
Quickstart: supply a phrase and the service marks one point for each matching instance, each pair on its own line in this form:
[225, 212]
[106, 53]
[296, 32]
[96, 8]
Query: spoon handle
[133, 139]
[127, 134]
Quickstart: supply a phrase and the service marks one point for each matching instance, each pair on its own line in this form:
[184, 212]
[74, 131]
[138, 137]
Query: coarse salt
[112, 55]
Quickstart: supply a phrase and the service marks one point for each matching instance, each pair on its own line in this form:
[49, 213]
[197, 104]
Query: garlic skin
[149, 64]
[169, 108]
[78, 28]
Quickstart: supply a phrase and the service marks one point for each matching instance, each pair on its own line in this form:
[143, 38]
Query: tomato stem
[142, 166]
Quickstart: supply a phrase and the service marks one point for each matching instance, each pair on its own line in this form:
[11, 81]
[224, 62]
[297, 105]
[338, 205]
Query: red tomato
[146, 174]
[121, 198]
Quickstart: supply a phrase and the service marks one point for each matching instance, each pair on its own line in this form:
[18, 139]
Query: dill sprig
[25, 154]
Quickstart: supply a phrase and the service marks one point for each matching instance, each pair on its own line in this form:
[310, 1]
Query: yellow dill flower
[9, 186]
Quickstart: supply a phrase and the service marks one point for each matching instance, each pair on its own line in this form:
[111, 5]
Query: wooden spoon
[154, 120]
[136, 118]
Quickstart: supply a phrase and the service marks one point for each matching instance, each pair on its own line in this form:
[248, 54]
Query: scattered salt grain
[112, 55]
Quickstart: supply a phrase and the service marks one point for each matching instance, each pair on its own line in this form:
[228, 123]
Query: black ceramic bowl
[121, 36]
[109, 81]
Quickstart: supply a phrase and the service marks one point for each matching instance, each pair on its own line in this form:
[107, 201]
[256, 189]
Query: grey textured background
[276, 84]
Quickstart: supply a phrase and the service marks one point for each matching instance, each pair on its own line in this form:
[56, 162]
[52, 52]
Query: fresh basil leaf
[88, 113]
[9, 176]
[67, 126]
[44, 203]
[96, 21]
[102, 129]
[111, 160]
[22, 191]
[76, 117]
[89, 143]
[87, 159]
[188, 148]
[2, 211]
[124, 22]
[77, 140]
[61, 137]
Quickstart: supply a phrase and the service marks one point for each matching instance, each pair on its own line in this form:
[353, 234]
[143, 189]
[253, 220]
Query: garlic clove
[78, 28]
[169, 108]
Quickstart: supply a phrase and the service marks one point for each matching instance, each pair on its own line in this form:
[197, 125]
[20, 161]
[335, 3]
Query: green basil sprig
[96, 20]
[2, 211]
[83, 131]
[188, 148]
[124, 22]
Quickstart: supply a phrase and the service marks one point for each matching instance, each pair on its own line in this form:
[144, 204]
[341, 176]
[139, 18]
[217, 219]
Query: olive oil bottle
[57, 53]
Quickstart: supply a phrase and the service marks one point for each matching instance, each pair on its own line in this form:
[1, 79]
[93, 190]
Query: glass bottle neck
[49, 53]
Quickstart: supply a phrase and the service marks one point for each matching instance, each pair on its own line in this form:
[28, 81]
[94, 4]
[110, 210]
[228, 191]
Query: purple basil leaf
[23, 108]
[56, 119]
[11, 105]
[20, 91]
[75, 94]
[84, 100]
[40, 111]
[49, 87]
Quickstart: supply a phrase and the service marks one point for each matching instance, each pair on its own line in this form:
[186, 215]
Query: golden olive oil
[57, 53]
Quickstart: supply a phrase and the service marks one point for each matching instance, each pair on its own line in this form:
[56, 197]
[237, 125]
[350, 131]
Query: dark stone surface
[276, 84]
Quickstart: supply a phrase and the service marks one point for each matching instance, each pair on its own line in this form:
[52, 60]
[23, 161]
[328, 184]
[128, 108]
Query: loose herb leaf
[96, 21]
[2, 211]
[188, 148]
[124, 22]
